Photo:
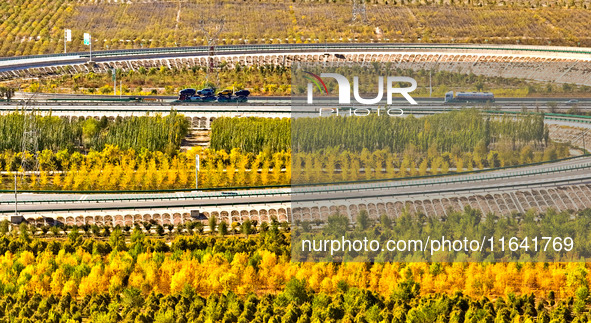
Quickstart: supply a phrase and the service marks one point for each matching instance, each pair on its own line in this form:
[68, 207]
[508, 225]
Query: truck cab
[449, 96]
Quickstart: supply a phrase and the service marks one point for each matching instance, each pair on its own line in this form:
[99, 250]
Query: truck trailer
[464, 97]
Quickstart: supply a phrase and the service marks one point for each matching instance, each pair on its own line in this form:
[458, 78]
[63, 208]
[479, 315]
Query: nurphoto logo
[344, 87]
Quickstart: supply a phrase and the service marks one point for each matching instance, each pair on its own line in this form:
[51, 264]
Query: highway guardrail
[188, 204]
[220, 50]
[320, 189]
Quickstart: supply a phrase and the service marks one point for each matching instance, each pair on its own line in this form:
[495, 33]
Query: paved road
[577, 170]
[276, 108]
[15, 63]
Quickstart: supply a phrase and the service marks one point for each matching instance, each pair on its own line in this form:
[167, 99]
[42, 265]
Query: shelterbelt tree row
[257, 152]
[459, 130]
[259, 80]
[275, 80]
[134, 277]
[154, 133]
[37, 27]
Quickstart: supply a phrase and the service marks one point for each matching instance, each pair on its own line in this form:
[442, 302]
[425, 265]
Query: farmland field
[36, 27]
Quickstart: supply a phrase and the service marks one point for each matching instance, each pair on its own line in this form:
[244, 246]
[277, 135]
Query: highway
[274, 104]
[211, 111]
[9, 64]
[85, 99]
[113, 102]
[574, 170]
